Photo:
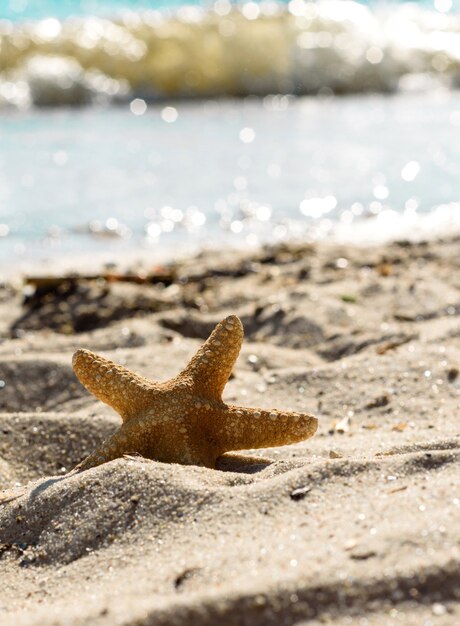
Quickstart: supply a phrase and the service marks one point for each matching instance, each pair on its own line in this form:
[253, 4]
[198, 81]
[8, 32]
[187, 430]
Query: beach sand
[358, 525]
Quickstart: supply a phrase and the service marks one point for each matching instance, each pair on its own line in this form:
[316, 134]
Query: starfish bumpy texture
[185, 420]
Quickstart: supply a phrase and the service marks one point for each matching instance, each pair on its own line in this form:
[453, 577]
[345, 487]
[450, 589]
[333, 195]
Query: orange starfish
[185, 420]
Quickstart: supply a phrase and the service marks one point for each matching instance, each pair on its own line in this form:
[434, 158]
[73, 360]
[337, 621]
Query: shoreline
[443, 222]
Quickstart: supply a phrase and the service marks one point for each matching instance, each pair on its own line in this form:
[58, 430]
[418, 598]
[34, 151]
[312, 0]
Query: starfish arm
[245, 428]
[121, 389]
[210, 368]
[112, 448]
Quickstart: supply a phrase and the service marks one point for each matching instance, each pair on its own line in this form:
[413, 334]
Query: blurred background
[164, 125]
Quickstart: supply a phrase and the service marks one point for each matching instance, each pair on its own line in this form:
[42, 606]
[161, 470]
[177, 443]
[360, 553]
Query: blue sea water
[226, 172]
[39, 9]
[225, 127]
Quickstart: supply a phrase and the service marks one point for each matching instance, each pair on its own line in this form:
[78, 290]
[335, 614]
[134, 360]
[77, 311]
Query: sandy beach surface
[359, 525]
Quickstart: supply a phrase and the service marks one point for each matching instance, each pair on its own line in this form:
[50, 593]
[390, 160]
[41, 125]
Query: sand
[359, 525]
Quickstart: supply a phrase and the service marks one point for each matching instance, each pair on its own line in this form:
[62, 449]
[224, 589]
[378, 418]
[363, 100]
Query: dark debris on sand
[336, 300]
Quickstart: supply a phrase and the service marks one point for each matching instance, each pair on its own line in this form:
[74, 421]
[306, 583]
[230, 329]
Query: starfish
[185, 420]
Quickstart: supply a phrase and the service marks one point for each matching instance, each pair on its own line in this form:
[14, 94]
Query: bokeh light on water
[175, 129]
[234, 171]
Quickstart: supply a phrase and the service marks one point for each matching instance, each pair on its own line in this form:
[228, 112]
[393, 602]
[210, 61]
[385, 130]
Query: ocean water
[333, 46]
[34, 10]
[16, 10]
[162, 130]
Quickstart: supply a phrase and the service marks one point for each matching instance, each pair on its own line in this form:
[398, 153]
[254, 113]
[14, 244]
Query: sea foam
[299, 48]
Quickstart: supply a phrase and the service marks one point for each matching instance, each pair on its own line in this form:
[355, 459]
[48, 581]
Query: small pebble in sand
[378, 402]
[343, 426]
[335, 455]
[438, 609]
[384, 269]
[300, 493]
[254, 362]
[362, 554]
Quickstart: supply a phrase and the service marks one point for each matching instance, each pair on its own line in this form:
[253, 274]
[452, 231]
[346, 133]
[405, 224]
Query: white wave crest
[302, 48]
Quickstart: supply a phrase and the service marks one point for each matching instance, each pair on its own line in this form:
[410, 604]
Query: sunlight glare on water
[221, 122]
[232, 170]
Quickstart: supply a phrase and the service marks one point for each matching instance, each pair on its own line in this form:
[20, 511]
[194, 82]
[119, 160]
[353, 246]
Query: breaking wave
[299, 48]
